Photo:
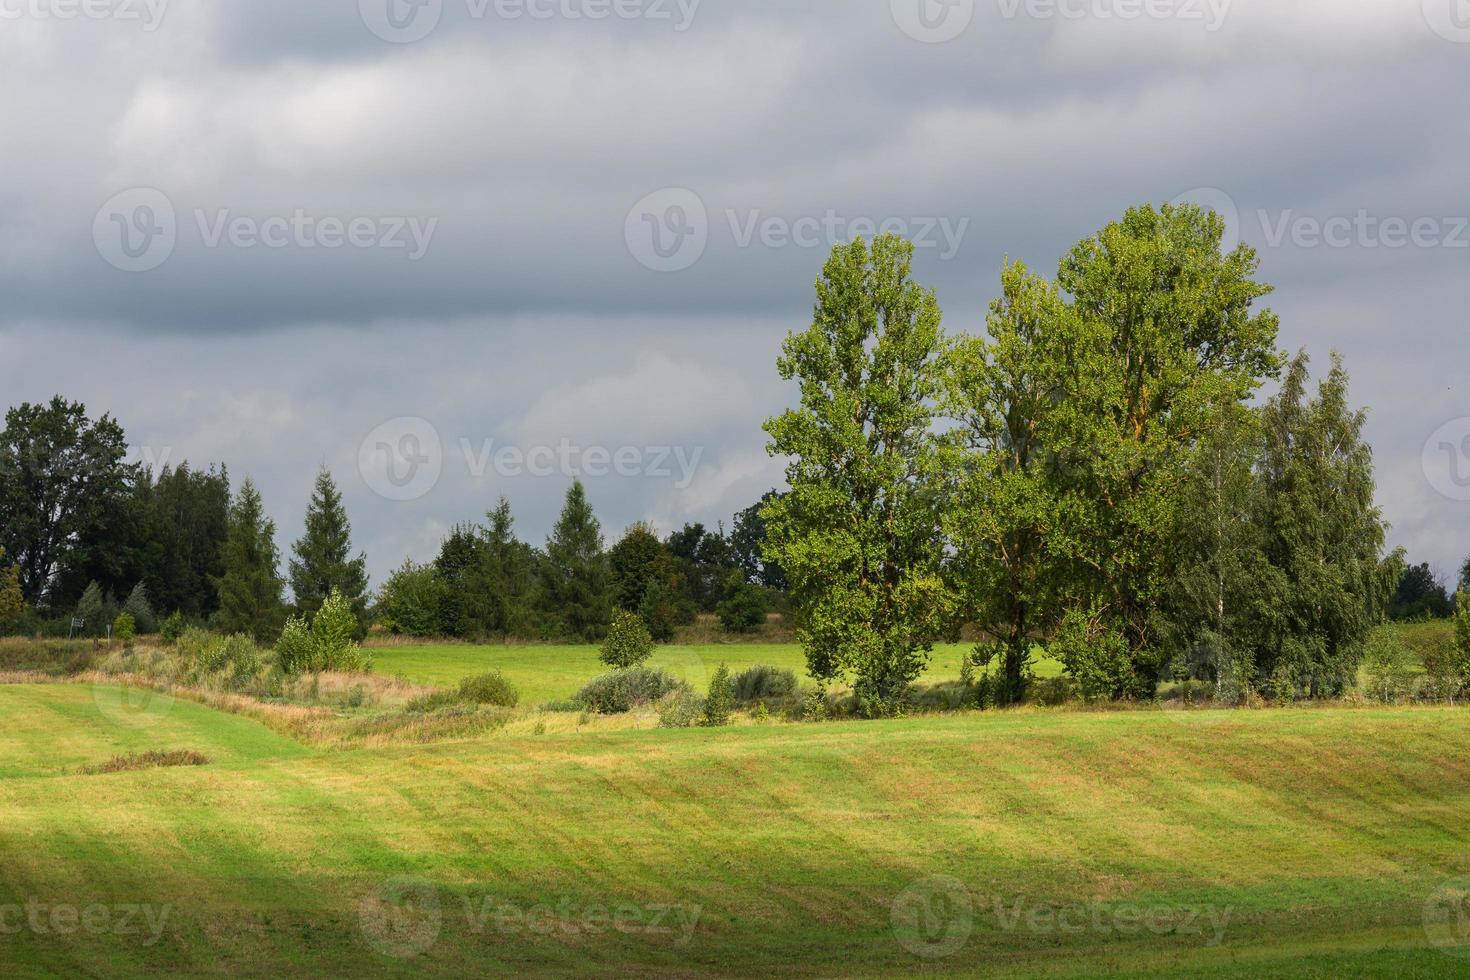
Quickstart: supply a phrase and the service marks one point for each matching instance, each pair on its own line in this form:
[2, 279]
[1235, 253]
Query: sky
[454, 249]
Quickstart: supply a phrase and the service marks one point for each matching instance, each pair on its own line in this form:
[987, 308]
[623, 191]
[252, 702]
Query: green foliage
[1095, 653]
[743, 610]
[491, 688]
[411, 601]
[720, 702]
[323, 559]
[250, 586]
[12, 601]
[138, 606]
[576, 598]
[333, 634]
[1390, 666]
[172, 627]
[857, 533]
[1323, 537]
[1454, 665]
[92, 611]
[623, 690]
[124, 628]
[762, 682]
[638, 563]
[62, 480]
[664, 609]
[680, 709]
[628, 642]
[295, 649]
[1419, 596]
[748, 546]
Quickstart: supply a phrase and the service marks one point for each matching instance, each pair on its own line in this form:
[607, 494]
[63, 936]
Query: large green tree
[250, 586]
[858, 532]
[1322, 534]
[1165, 334]
[576, 595]
[62, 478]
[1002, 391]
[323, 558]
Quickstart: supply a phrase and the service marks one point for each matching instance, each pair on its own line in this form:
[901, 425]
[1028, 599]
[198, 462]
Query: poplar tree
[858, 533]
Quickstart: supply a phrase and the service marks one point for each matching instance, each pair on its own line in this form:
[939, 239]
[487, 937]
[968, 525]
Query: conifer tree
[250, 588]
[323, 556]
[576, 588]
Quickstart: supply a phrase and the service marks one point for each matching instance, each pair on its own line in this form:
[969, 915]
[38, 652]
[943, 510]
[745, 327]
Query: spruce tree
[250, 587]
[323, 559]
[576, 589]
[508, 577]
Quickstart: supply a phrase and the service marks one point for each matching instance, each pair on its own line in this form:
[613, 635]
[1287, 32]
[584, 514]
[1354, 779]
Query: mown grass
[554, 673]
[1322, 833]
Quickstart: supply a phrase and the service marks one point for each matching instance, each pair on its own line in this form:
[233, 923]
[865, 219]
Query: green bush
[680, 709]
[1389, 664]
[491, 688]
[194, 644]
[172, 628]
[295, 650]
[411, 600]
[743, 609]
[334, 635]
[124, 629]
[140, 609]
[721, 699]
[628, 643]
[764, 683]
[623, 690]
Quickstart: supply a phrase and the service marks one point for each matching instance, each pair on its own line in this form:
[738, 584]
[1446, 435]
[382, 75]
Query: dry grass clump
[147, 760]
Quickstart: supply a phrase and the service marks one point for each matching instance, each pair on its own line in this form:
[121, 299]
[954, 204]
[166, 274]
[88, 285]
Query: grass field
[554, 673]
[1267, 843]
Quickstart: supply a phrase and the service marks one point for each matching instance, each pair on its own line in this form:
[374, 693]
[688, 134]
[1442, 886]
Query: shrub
[491, 688]
[194, 644]
[12, 601]
[295, 650]
[1389, 664]
[660, 610]
[334, 636]
[743, 609]
[680, 709]
[1095, 654]
[124, 629]
[764, 683]
[721, 700]
[172, 628]
[411, 600]
[623, 690]
[628, 642]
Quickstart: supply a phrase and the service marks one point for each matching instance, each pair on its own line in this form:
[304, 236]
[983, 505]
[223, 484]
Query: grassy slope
[1324, 831]
[553, 673]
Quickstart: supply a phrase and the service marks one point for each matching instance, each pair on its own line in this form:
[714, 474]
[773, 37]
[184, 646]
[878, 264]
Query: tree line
[86, 535]
[1094, 472]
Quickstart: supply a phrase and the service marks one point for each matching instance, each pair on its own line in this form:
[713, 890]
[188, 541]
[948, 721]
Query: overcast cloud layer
[460, 248]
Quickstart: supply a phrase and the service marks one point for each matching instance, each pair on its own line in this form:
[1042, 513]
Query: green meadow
[1321, 841]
